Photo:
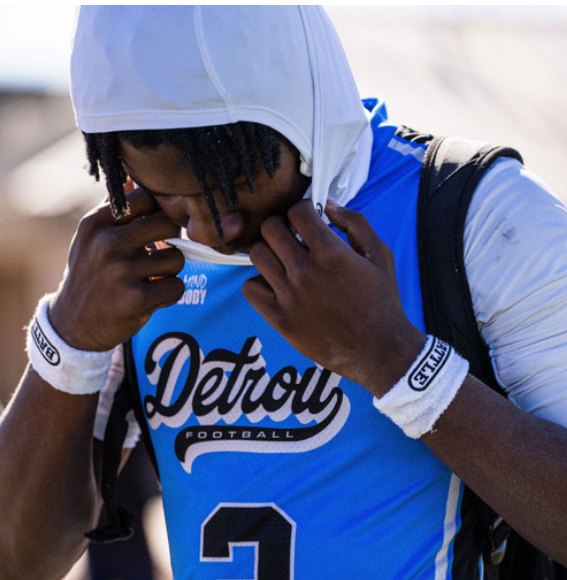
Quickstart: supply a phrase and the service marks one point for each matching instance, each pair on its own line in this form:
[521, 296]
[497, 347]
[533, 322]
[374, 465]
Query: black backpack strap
[452, 169]
[119, 519]
[126, 398]
[136, 401]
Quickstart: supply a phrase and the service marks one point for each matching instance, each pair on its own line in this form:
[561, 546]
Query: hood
[162, 67]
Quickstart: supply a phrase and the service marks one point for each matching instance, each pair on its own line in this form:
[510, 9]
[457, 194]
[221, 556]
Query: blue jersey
[273, 467]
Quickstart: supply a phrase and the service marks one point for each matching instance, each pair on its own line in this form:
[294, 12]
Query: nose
[204, 229]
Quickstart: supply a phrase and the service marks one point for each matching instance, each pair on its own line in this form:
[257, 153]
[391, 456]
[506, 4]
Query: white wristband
[417, 400]
[78, 372]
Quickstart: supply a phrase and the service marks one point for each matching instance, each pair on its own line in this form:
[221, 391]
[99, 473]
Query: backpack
[451, 171]
[452, 168]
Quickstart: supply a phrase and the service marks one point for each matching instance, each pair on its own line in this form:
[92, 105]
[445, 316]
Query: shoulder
[510, 188]
[515, 246]
[515, 219]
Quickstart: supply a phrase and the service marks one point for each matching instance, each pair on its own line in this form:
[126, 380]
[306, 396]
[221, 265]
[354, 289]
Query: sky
[35, 46]
[35, 40]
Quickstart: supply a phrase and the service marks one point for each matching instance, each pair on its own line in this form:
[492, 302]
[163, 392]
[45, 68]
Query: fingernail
[332, 203]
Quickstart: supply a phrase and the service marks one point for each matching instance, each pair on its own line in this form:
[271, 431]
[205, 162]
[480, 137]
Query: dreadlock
[209, 150]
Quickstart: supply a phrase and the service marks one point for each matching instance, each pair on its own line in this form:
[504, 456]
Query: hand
[336, 303]
[110, 288]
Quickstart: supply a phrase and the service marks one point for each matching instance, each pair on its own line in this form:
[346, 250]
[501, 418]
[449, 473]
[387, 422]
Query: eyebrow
[164, 194]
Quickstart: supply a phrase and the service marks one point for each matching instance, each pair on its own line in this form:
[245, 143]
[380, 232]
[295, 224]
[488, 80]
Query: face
[164, 172]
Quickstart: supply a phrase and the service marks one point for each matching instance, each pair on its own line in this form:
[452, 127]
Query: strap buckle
[499, 532]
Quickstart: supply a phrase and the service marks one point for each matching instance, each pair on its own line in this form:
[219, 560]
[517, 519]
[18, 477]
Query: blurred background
[489, 73]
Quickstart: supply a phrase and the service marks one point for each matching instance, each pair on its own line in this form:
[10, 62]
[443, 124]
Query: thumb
[359, 233]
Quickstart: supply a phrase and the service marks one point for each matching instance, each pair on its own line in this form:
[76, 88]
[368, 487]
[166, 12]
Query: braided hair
[209, 150]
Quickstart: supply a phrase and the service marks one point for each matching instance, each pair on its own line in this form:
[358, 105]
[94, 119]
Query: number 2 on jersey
[264, 526]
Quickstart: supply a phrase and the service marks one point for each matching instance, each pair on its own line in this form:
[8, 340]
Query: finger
[158, 263]
[281, 240]
[268, 264]
[163, 292]
[260, 295]
[359, 233]
[141, 203]
[148, 228]
[307, 223]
